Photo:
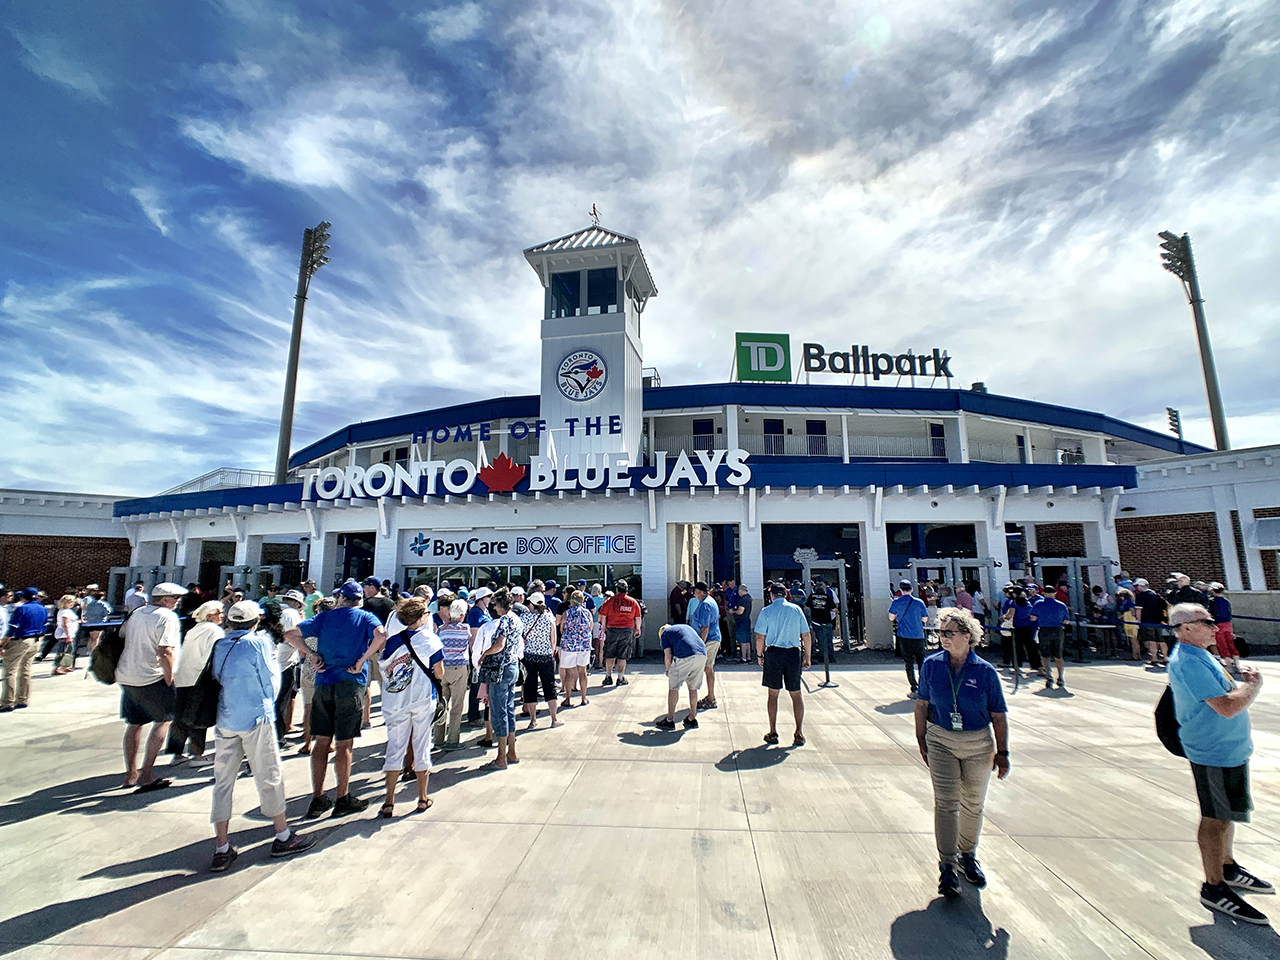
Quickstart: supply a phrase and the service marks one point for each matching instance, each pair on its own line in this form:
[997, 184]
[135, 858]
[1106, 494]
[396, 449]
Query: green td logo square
[764, 356]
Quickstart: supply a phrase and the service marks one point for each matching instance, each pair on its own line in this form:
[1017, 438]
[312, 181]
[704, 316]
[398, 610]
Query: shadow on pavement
[902, 706]
[753, 758]
[955, 930]
[92, 795]
[1225, 939]
[653, 737]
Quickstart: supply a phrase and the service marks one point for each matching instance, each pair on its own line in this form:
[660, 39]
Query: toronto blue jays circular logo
[582, 375]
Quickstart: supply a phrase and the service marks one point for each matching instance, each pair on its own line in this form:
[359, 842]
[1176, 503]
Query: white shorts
[416, 723]
[687, 672]
[570, 660]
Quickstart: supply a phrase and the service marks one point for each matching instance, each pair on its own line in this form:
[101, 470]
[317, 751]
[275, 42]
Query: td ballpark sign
[767, 357]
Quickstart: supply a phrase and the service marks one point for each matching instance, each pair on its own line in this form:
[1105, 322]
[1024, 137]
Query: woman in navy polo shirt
[959, 702]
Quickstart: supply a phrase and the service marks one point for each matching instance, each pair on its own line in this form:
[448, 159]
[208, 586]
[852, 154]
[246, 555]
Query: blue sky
[987, 177]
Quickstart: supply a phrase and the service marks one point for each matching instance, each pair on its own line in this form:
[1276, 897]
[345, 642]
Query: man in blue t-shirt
[1049, 614]
[347, 638]
[784, 645]
[1214, 729]
[907, 613]
[705, 619]
[685, 654]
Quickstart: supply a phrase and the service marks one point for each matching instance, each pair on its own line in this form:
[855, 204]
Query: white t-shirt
[404, 685]
[147, 630]
[286, 655]
[68, 624]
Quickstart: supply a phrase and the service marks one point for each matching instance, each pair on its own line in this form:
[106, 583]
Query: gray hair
[1181, 613]
[458, 609]
[965, 620]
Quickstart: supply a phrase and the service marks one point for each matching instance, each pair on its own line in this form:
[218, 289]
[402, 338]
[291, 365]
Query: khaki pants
[18, 656]
[453, 688]
[259, 746]
[960, 765]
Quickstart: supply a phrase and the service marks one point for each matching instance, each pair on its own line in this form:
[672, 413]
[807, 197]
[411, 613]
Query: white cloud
[149, 200]
[49, 57]
[453, 24]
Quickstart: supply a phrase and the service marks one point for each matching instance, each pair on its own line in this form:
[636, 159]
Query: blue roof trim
[764, 473]
[764, 395]
[482, 411]
[908, 398]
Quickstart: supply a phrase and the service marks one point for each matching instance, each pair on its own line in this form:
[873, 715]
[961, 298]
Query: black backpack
[1167, 726]
[202, 706]
[106, 655]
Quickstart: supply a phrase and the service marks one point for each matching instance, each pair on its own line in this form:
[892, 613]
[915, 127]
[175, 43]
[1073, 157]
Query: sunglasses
[1206, 622]
[953, 633]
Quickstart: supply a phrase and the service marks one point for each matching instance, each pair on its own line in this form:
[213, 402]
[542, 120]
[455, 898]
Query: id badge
[957, 721]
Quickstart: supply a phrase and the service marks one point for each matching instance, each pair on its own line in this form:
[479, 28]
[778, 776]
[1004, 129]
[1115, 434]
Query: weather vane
[595, 215]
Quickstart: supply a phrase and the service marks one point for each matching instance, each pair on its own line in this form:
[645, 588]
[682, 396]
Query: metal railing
[224, 477]
[792, 445]
[988, 451]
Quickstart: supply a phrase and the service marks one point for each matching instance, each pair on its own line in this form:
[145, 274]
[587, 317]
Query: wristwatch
[1002, 753]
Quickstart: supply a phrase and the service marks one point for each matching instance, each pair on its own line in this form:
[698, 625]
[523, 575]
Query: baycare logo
[582, 375]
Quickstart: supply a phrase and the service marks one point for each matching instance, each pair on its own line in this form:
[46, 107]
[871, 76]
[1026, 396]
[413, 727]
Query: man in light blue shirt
[244, 662]
[1214, 729]
[782, 630]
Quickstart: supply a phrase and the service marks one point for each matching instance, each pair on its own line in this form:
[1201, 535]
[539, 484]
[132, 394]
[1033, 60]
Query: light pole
[1177, 259]
[315, 242]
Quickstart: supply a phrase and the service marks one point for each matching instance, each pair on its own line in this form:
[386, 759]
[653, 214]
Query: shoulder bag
[1167, 726]
[435, 684]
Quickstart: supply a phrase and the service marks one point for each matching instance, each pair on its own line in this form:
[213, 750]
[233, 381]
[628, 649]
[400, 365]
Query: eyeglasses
[953, 633]
[1209, 623]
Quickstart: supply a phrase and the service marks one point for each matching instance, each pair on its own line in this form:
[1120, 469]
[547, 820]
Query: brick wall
[1060, 540]
[53, 563]
[1153, 547]
[1270, 568]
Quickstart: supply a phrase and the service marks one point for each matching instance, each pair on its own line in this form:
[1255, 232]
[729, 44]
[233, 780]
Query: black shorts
[337, 710]
[1052, 640]
[535, 672]
[153, 703]
[782, 667]
[618, 642]
[1223, 792]
[1151, 633]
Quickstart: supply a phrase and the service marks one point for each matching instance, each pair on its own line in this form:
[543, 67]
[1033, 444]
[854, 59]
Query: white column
[386, 562]
[1100, 541]
[956, 436]
[844, 437]
[187, 556]
[1224, 501]
[731, 425]
[656, 579]
[751, 557]
[248, 551]
[993, 543]
[322, 559]
[876, 592]
[1095, 451]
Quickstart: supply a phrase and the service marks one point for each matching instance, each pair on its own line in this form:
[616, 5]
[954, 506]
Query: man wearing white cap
[248, 670]
[145, 673]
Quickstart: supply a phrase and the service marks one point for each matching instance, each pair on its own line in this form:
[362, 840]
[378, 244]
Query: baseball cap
[620, 585]
[537, 599]
[30, 593]
[463, 593]
[295, 595]
[244, 611]
[550, 584]
[371, 582]
[1141, 582]
[1175, 575]
[168, 589]
[351, 591]
[479, 593]
[907, 584]
[517, 591]
[778, 589]
[579, 583]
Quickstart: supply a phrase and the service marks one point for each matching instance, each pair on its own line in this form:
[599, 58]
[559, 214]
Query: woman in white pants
[412, 668]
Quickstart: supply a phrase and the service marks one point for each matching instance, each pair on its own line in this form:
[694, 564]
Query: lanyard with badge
[957, 719]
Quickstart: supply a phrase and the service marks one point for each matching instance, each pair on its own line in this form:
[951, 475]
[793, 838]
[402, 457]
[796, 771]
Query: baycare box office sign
[614, 544]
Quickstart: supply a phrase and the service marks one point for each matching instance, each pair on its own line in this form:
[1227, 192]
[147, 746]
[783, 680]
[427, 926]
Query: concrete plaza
[614, 839]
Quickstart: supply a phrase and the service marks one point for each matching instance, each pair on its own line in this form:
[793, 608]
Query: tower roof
[593, 246]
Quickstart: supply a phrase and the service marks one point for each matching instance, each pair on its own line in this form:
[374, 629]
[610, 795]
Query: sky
[986, 177]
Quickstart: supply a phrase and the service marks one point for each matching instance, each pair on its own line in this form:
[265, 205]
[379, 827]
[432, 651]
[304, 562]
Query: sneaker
[349, 804]
[690, 723]
[1222, 898]
[223, 860]
[972, 870]
[665, 724]
[201, 761]
[1062, 684]
[623, 681]
[297, 843]
[607, 682]
[948, 880]
[706, 703]
[1048, 683]
[319, 806]
[1238, 878]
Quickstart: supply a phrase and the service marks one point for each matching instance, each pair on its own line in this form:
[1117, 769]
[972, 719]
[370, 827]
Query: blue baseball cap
[551, 584]
[351, 591]
[905, 584]
[30, 593]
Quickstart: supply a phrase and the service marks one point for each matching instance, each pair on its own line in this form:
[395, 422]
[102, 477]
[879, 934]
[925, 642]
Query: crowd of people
[438, 655]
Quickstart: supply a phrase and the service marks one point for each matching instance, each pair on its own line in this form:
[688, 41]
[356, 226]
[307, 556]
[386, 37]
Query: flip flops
[770, 738]
[153, 786]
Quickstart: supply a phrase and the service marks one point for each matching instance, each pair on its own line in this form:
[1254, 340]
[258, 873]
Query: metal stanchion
[826, 669]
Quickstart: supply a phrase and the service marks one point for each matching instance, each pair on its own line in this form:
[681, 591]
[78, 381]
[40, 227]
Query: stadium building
[875, 468]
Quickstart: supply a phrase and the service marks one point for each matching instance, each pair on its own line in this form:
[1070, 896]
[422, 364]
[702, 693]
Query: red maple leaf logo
[503, 475]
[595, 373]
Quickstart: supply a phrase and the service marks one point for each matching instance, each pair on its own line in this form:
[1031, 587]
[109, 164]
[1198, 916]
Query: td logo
[764, 356]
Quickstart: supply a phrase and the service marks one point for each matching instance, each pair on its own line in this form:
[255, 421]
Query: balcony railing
[791, 445]
[987, 451]
[224, 477]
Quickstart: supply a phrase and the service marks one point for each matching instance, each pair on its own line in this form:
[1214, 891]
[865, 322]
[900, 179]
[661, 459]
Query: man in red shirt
[620, 617]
